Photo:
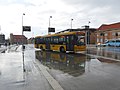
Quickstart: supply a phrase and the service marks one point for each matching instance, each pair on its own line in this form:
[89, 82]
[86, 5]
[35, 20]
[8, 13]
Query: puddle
[106, 52]
[107, 60]
[72, 64]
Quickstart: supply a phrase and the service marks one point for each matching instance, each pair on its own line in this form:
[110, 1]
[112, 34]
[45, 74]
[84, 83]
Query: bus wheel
[62, 49]
[41, 48]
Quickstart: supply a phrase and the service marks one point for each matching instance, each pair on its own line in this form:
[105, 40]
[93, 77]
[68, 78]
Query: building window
[101, 34]
[113, 33]
[118, 33]
[106, 34]
[101, 40]
[97, 35]
[97, 39]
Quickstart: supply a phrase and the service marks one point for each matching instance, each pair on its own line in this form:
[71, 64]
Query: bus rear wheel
[62, 49]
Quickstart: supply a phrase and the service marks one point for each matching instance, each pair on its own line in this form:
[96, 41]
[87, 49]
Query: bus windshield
[80, 40]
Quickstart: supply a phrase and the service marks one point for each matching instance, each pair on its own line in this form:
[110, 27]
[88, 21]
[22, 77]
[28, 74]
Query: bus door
[69, 44]
[48, 43]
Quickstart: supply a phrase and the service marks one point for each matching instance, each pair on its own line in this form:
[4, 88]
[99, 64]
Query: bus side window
[61, 40]
[51, 40]
[76, 38]
[55, 40]
[67, 39]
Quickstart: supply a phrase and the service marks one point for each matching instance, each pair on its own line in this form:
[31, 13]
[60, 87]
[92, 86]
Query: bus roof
[38, 36]
[64, 33]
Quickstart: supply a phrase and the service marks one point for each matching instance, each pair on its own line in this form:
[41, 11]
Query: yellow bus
[73, 41]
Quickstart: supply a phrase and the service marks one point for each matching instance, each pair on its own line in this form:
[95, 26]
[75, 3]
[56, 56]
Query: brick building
[2, 39]
[107, 32]
[18, 39]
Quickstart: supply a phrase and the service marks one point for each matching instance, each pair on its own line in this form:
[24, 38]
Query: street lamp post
[49, 23]
[23, 44]
[88, 33]
[49, 20]
[71, 23]
[22, 22]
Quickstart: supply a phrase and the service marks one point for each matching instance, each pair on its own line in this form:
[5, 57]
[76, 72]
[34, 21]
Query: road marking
[55, 85]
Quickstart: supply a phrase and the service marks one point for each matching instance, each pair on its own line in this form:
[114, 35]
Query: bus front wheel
[41, 48]
[62, 49]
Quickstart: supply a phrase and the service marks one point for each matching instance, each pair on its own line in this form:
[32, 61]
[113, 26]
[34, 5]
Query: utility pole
[71, 23]
[23, 44]
[49, 23]
[88, 33]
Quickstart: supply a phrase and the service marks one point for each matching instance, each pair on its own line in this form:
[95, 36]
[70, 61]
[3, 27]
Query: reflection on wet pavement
[81, 72]
[110, 52]
[68, 63]
[107, 60]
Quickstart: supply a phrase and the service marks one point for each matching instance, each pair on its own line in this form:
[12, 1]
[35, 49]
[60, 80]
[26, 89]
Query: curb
[55, 85]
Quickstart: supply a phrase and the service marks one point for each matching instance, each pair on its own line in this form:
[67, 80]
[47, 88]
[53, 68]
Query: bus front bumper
[79, 48]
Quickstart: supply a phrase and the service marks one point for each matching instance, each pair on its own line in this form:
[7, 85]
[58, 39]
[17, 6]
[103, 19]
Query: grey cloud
[49, 12]
[8, 2]
[93, 3]
[99, 11]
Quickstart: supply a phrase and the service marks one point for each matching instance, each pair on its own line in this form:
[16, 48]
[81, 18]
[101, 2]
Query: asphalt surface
[110, 53]
[12, 76]
[82, 72]
[48, 70]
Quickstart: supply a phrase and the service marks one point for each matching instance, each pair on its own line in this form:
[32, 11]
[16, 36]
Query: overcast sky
[37, 13]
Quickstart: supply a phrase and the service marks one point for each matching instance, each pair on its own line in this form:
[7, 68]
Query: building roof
[109, 26]
[19, 36]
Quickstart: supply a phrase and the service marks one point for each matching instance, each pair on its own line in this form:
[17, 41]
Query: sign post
[27, 28]
[24, 28]
[51, 29]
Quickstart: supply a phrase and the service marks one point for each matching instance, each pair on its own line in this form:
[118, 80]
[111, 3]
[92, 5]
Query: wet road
[72, 71]
[12, 76]
[81, 72]
[108, 52]
[2, 49]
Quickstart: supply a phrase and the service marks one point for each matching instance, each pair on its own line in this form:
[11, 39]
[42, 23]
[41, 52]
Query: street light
[49, 20]
[22, 22]
[49, 23]
[23, 44]
[22, 32]
[88, 32]
[71, 23]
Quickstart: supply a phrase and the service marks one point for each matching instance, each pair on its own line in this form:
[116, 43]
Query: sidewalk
[2, 49]
[12, 76]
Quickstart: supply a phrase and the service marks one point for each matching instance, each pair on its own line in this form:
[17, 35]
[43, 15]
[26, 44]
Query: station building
[107, 32]
[18, 39]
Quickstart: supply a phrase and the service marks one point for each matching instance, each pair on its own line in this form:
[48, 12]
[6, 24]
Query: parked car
[114, 42]
[100, 45]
